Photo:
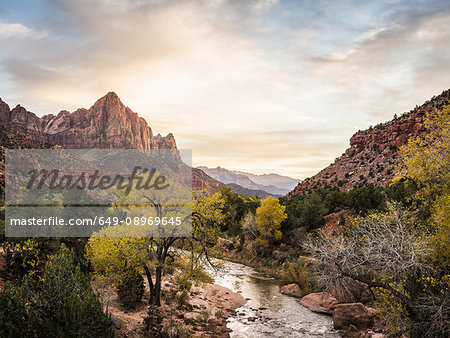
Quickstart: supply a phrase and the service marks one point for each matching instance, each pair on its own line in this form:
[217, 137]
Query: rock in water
[322, 302]
[291, 290]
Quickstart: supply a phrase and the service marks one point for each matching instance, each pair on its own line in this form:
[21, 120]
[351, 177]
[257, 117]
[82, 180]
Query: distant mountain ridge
[373, 155]
[273, 184]
[272, 179]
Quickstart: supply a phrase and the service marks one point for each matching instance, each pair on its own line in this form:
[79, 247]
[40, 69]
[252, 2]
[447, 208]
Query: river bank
[205, 312]
[240, 303]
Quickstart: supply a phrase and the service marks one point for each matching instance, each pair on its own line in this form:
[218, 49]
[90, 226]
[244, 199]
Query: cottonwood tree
[115, 249]
[268, 220]
[426, 158]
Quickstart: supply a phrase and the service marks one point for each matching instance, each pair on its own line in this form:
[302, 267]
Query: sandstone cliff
[373, 153]
[107, 124]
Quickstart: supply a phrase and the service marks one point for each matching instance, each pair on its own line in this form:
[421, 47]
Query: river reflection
[274, 314]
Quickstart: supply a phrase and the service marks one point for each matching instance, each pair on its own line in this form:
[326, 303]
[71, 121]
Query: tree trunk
[150, 283]
[158, 285]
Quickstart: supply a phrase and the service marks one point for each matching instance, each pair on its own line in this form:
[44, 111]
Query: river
[277, 315]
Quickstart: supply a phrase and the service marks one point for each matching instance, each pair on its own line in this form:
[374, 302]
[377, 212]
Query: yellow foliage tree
[115, 249]
[268, 220]
[426, 158]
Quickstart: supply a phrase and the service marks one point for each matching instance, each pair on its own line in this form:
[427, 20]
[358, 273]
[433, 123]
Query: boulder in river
[322, 302]
[290, 290]
[355, 314]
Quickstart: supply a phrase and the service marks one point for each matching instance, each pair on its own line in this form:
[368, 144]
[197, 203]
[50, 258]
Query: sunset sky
[262, 86]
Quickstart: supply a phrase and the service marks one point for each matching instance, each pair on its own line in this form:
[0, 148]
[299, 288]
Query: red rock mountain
[373, 153]
[107, 124]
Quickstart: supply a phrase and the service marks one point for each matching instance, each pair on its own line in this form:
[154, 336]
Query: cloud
[18, 30]
[387, 66]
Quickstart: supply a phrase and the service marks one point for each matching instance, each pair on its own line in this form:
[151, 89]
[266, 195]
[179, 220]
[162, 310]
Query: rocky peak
[4, 108]
[165, 142]
[109, 103]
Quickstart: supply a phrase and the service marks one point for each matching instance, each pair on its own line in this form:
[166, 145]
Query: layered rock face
[108, 124]
[373, 153]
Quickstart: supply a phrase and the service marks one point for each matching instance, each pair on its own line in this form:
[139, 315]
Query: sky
[259, 85]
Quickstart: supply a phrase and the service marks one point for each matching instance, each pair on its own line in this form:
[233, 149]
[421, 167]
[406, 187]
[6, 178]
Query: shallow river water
[276, 315]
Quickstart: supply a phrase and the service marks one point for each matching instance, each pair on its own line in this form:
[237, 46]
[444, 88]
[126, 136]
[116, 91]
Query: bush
[183, 298]
[368, 197]
[175, 329]
[203, 316]
[298, 273]
[335, 200]
[402, 190]
[62, 303]
[13, 313]
[153, 322]
[131, 289]
[184, 284]
[22, 258]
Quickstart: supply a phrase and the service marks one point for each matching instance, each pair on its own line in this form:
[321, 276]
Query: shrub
[131, 289]
[153, 322]
[175, 329]
[22, 257]
[63, 304]
[335, 200]
[204, 316]
[184, 284]
[366, 198]
[183, 298]
[411, 296]
[402, 190]
[13, 313]
[392, 312]
[298, 273]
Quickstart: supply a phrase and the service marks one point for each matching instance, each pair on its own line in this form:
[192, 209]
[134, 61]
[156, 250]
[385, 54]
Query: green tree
[236, 206]
[366, 198]
[14, 319]
[335, 200]
[63, 304]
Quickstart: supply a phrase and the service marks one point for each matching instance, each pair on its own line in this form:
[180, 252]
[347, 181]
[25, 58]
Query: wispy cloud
[18, 30]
